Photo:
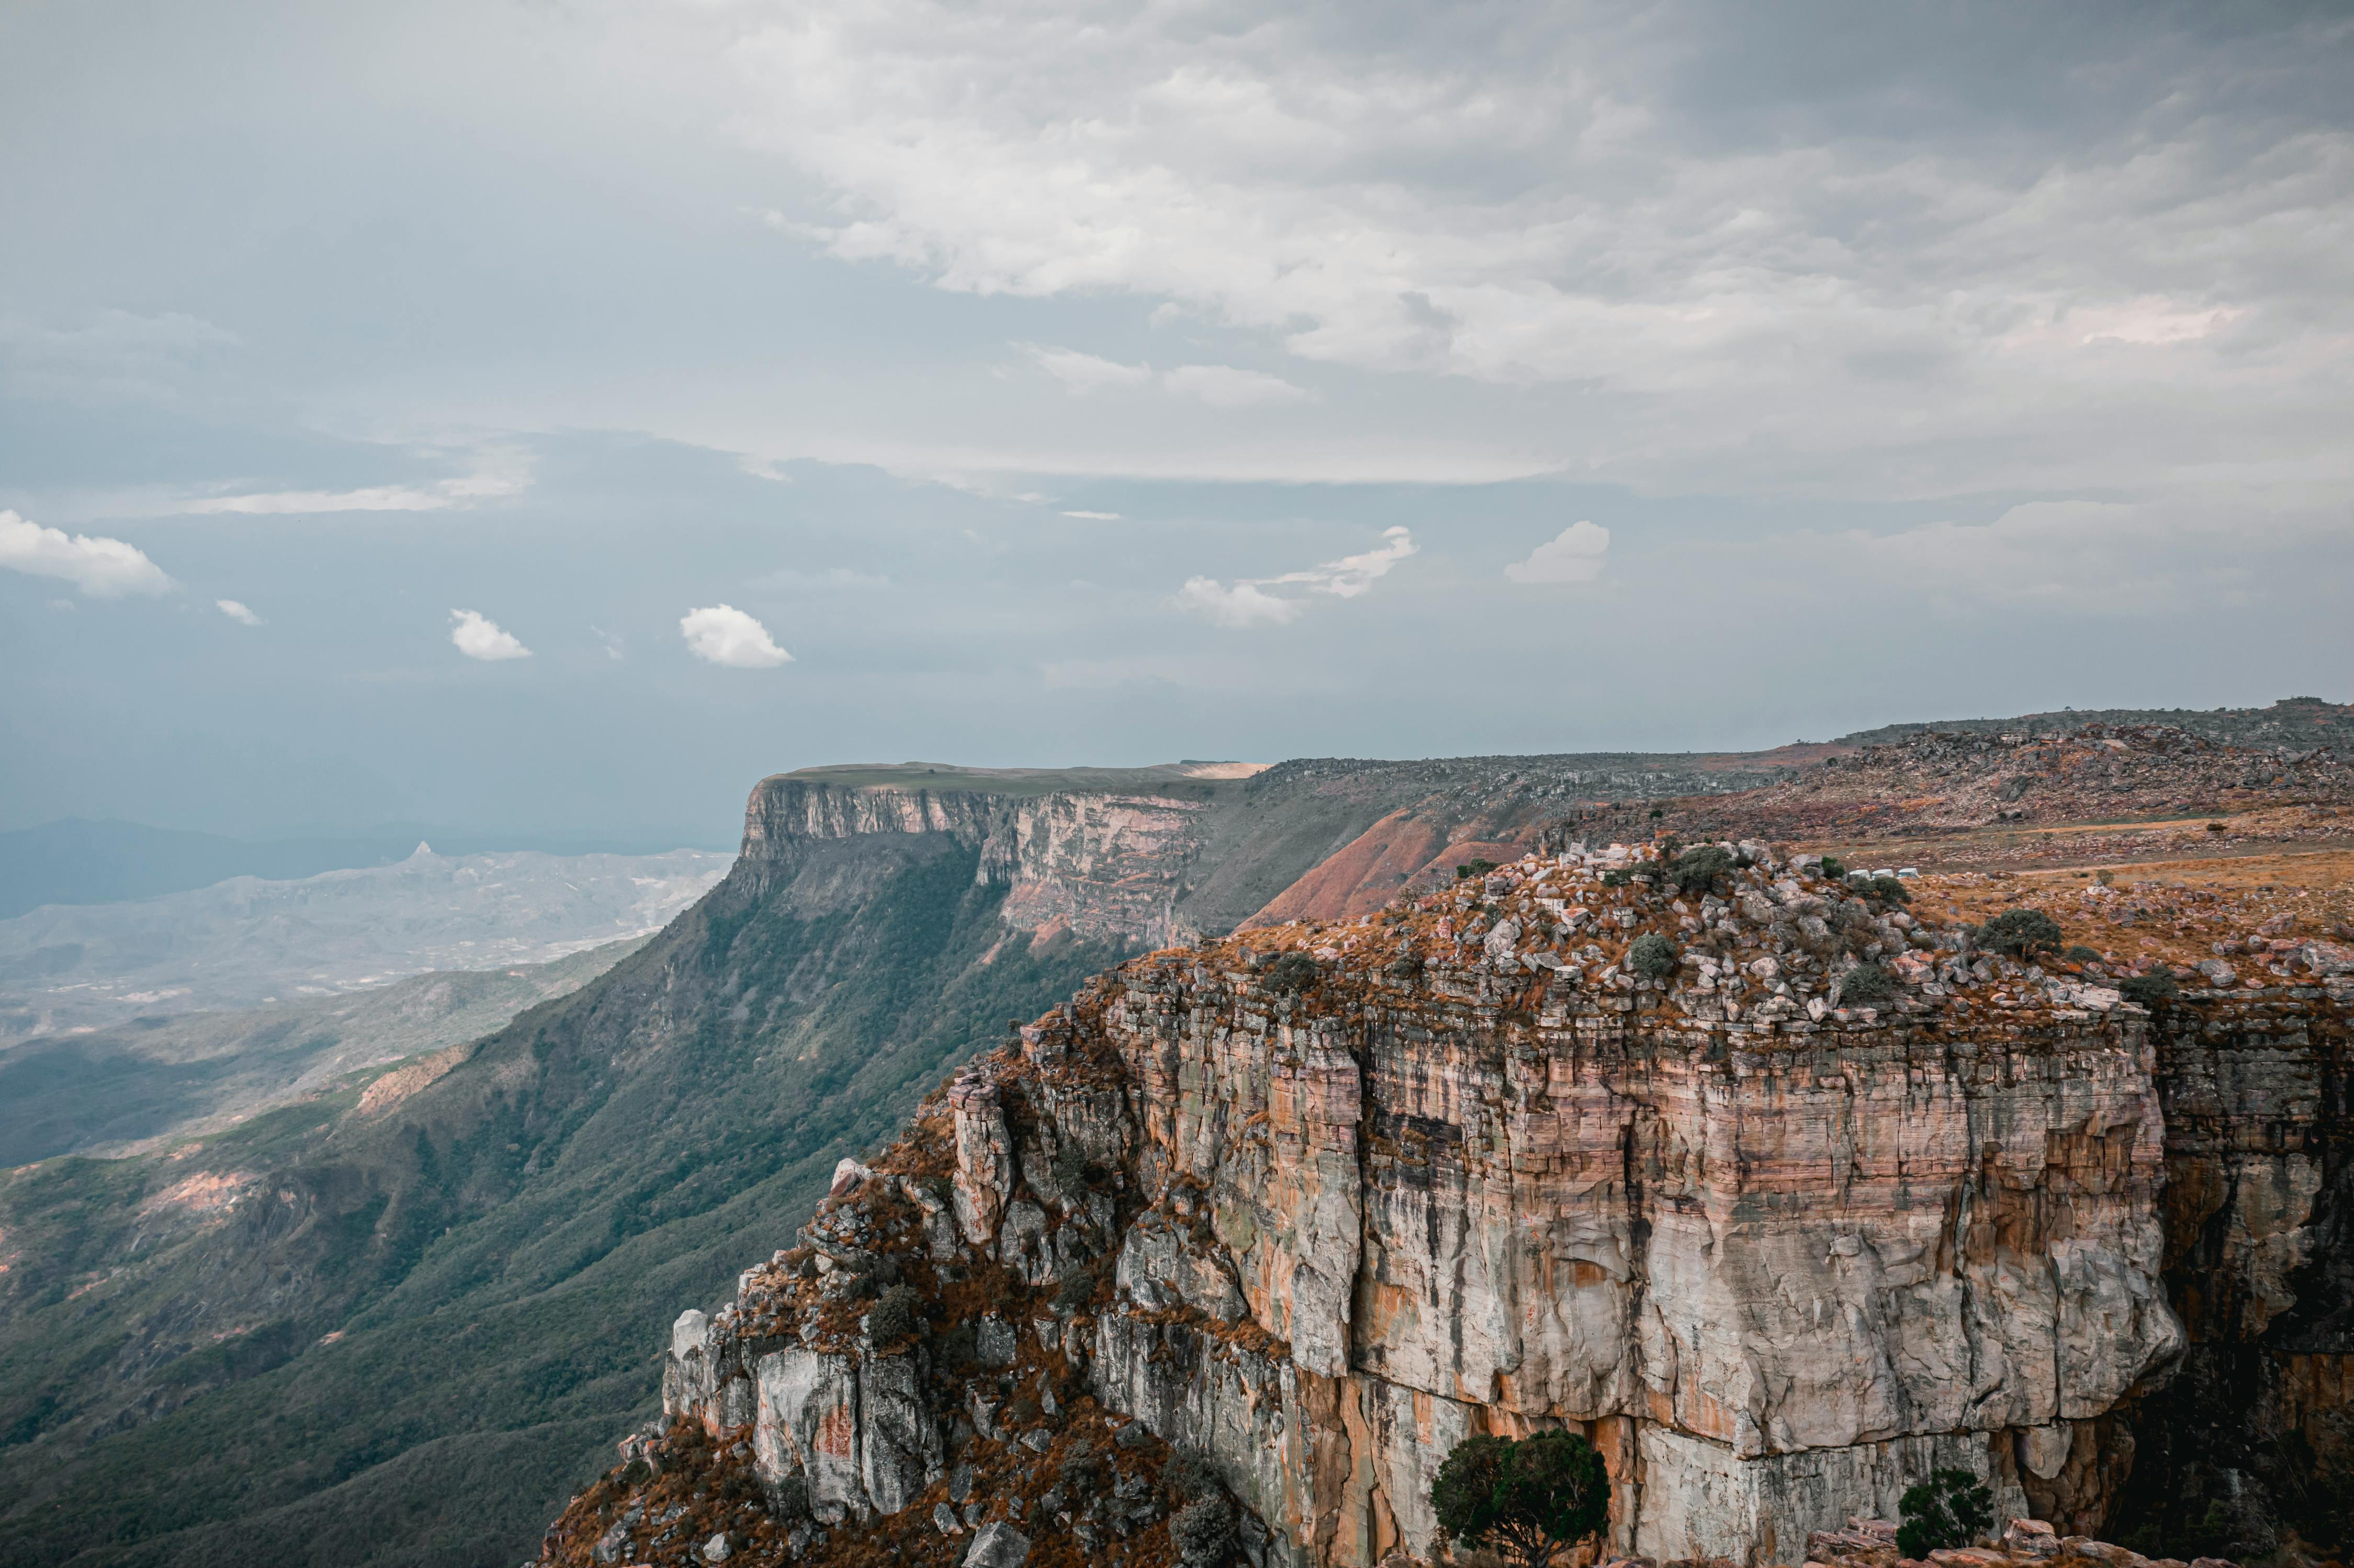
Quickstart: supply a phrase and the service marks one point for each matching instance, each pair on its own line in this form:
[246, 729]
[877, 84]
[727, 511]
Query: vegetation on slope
[393, 1339]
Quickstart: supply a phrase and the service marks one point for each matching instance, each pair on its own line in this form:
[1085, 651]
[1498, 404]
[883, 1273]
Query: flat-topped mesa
[1101, 864]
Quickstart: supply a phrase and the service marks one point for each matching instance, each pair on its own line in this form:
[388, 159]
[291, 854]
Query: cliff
[1318, 1202]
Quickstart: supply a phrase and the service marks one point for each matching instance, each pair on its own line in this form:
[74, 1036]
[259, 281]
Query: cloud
[787, 580]
[1095, 516]
[722, 634]
[1244, 604]
[1573, 556]
[444, 496]
[100, 567]
[236, 612]
[478, 637]
[115, 355]
[1728, 253]
[1248, 603]
[1219, 386]
[1081, 373]
[1225, 387]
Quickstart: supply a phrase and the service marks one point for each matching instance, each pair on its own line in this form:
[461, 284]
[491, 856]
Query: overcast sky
[557, 415]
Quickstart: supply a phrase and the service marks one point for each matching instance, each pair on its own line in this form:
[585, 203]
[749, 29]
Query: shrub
[1524, 1500]
[1952, 1508]
[1890, 888]
[1076, 1289]
[1190, 1475]
[1404, 966]
[1080, 1472]
[894, 1315]
[1471, 868]
[1867, 985]
[1075, 1172]
[1293, 971]
[1834, 868]
[957, 1348]
[1656, 813]
[1696, 870]
[1652, 956]
[2150, 990]
[1615, 879]
[2080, 954]
[788, 1499]
[1203, 1531]
[2021, 932]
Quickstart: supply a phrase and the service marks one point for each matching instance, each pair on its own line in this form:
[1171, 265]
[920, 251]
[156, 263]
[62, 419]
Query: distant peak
[422, 851]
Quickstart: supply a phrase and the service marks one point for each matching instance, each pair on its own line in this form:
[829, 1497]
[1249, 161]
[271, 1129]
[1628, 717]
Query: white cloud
[1219, 386]
[1247, 603]
[500, 471]
[236, 612]
[1081, 373]
[1225, 387]
[1728, 269]
[1244, 604]
[722, 634]
[116, 354]
[478, 637]
[833, 578]
[1095, 516]
[445, 495]
[100, 567]
[1573, 556]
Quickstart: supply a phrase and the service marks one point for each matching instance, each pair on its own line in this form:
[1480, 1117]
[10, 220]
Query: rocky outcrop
[1103, 866]
[1318, 1203]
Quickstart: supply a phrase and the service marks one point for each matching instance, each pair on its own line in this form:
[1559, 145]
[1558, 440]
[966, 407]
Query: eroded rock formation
[1320, 1201]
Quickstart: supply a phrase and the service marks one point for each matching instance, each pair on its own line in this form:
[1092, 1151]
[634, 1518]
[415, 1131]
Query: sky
[551, 416]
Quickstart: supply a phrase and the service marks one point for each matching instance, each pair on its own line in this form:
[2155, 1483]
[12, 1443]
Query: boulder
[998, 1545]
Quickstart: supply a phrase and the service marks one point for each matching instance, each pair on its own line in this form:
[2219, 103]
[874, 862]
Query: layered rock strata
[1321, 1202]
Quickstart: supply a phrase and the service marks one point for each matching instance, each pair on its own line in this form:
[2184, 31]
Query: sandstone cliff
[1320, 1200]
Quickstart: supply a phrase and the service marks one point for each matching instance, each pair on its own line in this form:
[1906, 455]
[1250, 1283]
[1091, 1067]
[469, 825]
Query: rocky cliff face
[1104, 867]
[1322, 1202]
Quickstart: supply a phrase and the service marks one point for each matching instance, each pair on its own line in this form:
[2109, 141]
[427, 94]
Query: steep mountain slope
[335, 1336]
[155, 1077]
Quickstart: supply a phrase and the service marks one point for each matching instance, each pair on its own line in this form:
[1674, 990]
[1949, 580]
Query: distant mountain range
[159, 1077]
[248, 941]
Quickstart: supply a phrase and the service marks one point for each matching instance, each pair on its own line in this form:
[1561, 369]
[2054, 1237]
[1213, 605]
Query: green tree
[1952, 1508]
[2022, 933]
[1696, 870]
[1867, 985]
[1652, 956]
[2150, 990]
[1293, 971]
[1525, 1501]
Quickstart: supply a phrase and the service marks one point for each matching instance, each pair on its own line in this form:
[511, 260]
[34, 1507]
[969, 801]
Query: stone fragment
[998, 1545]
[716, 1549]
[2032, 1537]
